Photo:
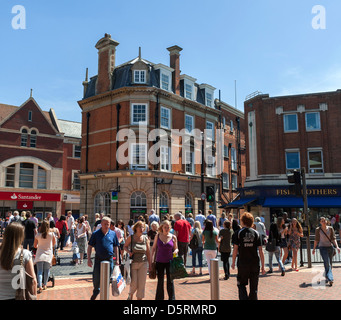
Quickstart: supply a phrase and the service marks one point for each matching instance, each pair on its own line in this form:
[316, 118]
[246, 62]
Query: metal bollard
[214, 279]
[105, 280]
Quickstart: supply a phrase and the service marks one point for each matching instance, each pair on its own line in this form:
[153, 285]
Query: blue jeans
[195, 252]
[43, 268]
[278, 257]
[327, 256]
[96, 274]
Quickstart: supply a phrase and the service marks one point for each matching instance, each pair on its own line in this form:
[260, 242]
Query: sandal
[40, 290]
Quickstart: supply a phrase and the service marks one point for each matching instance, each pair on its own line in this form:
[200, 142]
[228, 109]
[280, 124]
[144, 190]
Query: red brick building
[139, 95]
[39, 160]
[287, 133]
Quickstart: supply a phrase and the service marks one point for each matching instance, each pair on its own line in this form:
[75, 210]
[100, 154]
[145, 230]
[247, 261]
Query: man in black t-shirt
[247, 244]
[30, 231]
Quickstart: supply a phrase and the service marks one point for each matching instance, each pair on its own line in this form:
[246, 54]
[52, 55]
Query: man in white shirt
[71, 226]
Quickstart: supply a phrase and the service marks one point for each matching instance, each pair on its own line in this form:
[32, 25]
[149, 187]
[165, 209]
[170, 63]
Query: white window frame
[169, 117]
[226, 183]
[231, 126]
[142, 165]
[163, 200]
[188, 90]
[169, 76]
[318, 121]
[165, 158]
[226, 151]
[207, 99]
[234, 162]
[189, 164]
[286, 160]
[234, 181]
[74, 151]
[188, 116]
[132, 114]
[312, 170]
[138, 78]
[285, 122]
[210, 131]
[211, 167]
[75, 173]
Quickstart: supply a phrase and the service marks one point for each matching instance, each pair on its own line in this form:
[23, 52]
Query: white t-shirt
[6, 276]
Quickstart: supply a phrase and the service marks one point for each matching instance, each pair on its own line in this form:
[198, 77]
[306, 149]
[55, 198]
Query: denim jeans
[197, 252]
[96, 274]
[327, 256]
[43, 268]
[278, 257]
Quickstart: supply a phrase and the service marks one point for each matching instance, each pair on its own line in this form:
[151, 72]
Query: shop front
[272, 201]
[40, 203]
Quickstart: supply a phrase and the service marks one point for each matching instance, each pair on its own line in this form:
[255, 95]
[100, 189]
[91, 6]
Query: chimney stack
[106, 62]
[174, 53]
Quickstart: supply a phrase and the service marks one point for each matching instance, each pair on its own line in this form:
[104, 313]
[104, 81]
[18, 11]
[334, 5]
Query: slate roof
[70, 128]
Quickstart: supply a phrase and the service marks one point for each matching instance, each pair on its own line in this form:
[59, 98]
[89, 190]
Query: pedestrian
[152, 232]
[10, 252]
[63, 230]
[105, 243]
[81, 239]
[190, 219]
[88, 227]
[30, 232]
[225, 246]
[44, 242]
[197, 252]
[153, 217]
[275, 235]
[325, 239]
[129, 229]
[260, 227]
[56, 235]
[34, 218]
[71, 225]
[212, 217]
[201, 218]
[247, 246]
[222, 219]
[138, 248]
[16, 217]
[120, 227]
[182, 230]
[283, 230]
[97, 224]
[165, 245]
[210, 240]
[295, 233]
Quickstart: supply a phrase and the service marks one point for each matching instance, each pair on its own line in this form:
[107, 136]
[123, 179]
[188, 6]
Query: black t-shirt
[248, 241]
[29, 228]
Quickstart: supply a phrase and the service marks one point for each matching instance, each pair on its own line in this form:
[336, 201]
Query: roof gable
[17, 118]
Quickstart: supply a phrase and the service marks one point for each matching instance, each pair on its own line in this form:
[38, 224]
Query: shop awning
[239, 203]
[297, 202]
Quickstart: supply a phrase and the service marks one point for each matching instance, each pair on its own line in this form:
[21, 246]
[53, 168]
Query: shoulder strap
[326, 236]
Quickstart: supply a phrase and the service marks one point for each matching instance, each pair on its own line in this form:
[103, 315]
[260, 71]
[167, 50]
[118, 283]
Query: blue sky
[263, 45]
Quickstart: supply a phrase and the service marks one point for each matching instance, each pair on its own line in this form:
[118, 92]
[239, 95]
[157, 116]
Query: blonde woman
[138, 248]
[295, 233]
[165, 244]
[44, 242]
[10, 252]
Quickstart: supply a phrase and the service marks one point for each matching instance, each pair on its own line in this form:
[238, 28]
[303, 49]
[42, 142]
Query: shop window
[102, 203]
[138, 199]
[163, 200]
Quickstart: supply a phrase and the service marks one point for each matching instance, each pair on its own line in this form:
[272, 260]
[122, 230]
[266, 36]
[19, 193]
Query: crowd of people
[151, 240]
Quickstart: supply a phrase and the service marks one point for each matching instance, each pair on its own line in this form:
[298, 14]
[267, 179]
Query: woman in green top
[209, 240]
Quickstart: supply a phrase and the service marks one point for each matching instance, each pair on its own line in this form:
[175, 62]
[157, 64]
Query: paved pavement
[75, 283]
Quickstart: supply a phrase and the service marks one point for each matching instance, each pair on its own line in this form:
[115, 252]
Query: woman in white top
[81, 238]
[10, 251]
[44, 241]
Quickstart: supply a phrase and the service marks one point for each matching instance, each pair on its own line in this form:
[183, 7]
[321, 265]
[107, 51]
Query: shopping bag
[127, 262]
[118, 283]
[177, 268]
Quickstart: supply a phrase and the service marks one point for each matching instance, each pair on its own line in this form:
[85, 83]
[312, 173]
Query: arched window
[138, 199]
[102, 203]
[163, 200]
[33, 139]
[24, 135]
[188, 201]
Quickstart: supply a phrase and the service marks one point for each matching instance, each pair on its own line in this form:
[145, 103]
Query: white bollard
[214, 279]
[105, 280]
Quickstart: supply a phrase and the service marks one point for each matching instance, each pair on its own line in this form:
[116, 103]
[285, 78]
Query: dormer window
[140, 76]
[208, 92]
[188, 86]
[164, 81]
[165, 75]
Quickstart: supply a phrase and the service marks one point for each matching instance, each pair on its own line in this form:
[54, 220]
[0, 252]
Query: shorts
[283, 243]
[183, 248]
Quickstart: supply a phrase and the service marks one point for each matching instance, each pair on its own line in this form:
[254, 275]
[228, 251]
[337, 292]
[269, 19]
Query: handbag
[152, 272]
[26, 291]
[334, 249]
[118, 283]
[271, 245]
